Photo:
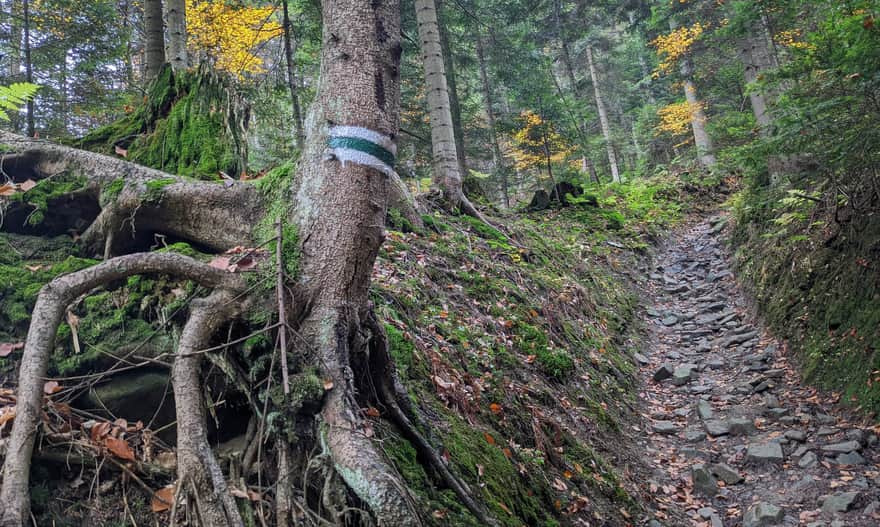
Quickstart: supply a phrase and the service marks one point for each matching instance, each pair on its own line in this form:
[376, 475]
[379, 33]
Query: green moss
[47, 191]
[155, 189]
[435, 223]
[401, 349]
[110, 192]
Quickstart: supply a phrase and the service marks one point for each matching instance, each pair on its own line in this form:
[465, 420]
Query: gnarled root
[196, 463]
[52, 302]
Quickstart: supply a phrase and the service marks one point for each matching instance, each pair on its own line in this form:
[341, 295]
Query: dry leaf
[489, 438]
[8, 347]
[27, 185]
[120, 151]
[328, 385]
[33, 268]
[7, 189]
[51, 387]
[119, 448]
[99, 431]
[372, 412]
[496, 408]
[162, 499]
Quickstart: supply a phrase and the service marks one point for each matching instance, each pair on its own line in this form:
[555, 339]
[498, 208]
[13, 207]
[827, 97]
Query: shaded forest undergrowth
[515, 349]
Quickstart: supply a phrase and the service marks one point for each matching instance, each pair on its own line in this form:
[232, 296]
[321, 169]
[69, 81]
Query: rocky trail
[733, 435]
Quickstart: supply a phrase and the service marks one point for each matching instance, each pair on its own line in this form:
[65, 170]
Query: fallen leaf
[496, 408]
[27, 185]
[504, 507]
[328, 385]
[559, 485]
[33, 268]
[162, 499]
[8, 347]
[120, 151]
[119, 448]
[372, 412]
[51, 387]
[99, 431]
[221, 262]
[439, 514]
[7, 189]
[489, 438]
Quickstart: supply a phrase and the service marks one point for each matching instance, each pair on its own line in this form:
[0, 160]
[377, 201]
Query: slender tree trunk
[154, 45]
[603, 117]
[452, 85]
[28, 66]
[15, 53]
[488, 102]
[447, 171]
[757, 57]
[291, 78]
[175, 49]
[125, 12]
[705, 149]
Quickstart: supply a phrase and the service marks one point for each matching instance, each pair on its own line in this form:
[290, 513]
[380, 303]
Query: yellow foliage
[230, 34]
[790, 39]
[537, 141]
[675, 119]
[676, 44]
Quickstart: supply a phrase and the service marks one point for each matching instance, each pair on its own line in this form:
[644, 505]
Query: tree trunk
[705, 150]
[175, 50]
[488, 102]
[15, 54]
[28, 66]
[299, 135]
[341, 202]
[154, 39]
[603, 117]
[447, 171]
[757, 58]
[454, 105]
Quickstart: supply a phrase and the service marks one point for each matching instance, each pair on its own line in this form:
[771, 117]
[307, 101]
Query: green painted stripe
[362, 145]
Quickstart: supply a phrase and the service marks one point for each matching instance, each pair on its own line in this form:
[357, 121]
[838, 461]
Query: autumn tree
[539, 145]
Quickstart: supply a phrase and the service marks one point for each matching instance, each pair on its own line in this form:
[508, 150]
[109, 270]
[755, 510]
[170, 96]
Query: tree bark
[702, 140]
[28, 66]
[175, 49]
[603, 117]
[454, 105]
[15, 53]
[298, 132]
[154, 39]
[488, 103]
[340, 213]
[757, 58]
[447, 172]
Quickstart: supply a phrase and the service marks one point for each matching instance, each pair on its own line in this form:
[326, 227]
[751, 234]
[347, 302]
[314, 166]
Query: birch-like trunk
[154, 44]
[757, 57]
[447, 174]
[28, 66]
[175, 49]
[603, 117]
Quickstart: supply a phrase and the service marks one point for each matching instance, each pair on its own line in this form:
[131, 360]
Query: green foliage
[14, 96]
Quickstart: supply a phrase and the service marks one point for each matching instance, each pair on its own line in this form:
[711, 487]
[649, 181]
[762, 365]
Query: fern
[14, 96]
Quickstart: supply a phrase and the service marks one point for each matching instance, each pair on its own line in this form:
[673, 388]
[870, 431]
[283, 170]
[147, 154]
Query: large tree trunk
[154, 39]
[488, 102]
[175, 51]
[298, 132]
[705, 149]
[454, 105]
[603, 117]
[341, 201]
[447, 171]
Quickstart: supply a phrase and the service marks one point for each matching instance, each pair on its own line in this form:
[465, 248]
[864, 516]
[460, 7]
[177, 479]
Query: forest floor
[733, 435]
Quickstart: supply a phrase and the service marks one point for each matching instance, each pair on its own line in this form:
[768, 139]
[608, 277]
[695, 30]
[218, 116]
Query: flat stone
[671, 320]
[700, 389]
[796, 435]
[692, 435]
[765, 453]
[727, 474]
[716, 427]
[664, 427]
[704, 482]
[763, 514]
[826, 431]
[715, 364]
[641, 359]
[663, 372]
[771, 401]
[683, 375]
[808, 460]
[740, 426]
[776, 413]
[852, 458]
[704, 409]
[842, 448]
[825, 419]
[856, 434]
[840, 502]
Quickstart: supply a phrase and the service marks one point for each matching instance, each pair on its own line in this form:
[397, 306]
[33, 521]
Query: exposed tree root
[52, 303]
[195, 460]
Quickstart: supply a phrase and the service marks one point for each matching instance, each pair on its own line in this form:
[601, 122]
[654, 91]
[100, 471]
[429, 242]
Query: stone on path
[664, 427]
[796, 435]
[808, 460]
[840, 502]
[704, 409]
[717, 427]
[684, 374]
[704, 482]
[726, 474]
[842, 448]
[852, 458]
[641, 359]
[762, 514]
[671, 320]
[740, 426]
[663, 372]
[764, 453]
[693, 435]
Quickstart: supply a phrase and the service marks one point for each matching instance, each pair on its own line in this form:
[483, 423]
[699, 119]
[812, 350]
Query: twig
[282, 311]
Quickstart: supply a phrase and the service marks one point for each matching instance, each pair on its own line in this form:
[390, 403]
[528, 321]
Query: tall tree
[28, 65]
[175, 49]
[291, 76]
[603, 116]
[154, 44]
[488, 103]
[447, 171]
